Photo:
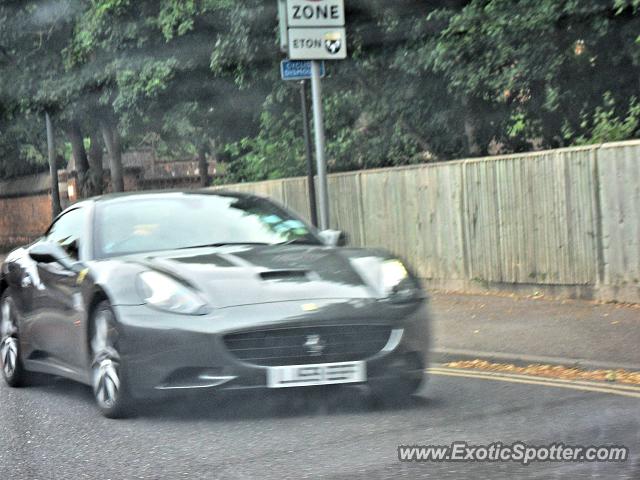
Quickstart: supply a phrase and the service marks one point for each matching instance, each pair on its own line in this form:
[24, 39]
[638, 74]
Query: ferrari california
[140, 295]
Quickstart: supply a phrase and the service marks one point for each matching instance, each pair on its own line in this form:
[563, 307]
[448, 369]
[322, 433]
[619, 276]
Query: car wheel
[12, 369]
[107, 369]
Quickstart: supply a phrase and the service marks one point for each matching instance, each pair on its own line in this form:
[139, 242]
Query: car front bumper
[165, 352]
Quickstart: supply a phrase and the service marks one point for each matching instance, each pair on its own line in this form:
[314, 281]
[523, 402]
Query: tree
[22, 143]
[152, 64]
[426, 80]
[34, 79]
[378, 113]
[542, 65]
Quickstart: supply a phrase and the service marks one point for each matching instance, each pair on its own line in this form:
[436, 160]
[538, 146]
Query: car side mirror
[334, 238]
[50, 252]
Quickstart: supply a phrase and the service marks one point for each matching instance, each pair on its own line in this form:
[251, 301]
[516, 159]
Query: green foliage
[545, 61]
[176, 18]
[425, 81]
[276, 151]
[21, 146]
[605, 125]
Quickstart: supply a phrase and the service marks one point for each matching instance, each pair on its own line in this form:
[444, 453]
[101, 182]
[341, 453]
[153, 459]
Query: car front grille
[308, 345]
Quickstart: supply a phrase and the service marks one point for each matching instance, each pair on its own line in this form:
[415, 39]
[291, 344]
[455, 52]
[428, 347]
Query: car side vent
[285, 275]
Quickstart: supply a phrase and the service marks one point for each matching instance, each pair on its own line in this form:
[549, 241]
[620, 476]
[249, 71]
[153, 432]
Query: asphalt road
[52, 430]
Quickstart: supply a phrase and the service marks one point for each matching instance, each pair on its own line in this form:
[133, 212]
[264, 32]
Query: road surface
[52, 430]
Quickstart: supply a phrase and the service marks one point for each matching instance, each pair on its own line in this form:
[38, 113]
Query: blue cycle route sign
[298, 69]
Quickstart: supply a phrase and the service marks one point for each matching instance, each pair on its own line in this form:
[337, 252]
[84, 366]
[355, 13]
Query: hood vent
[285, 275]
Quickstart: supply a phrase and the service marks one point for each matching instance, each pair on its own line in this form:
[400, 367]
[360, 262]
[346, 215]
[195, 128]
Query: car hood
[232, 276]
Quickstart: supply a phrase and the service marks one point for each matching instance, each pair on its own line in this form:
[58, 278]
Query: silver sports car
[142, 294]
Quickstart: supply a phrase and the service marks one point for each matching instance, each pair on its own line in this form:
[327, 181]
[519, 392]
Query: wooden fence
[563, 221]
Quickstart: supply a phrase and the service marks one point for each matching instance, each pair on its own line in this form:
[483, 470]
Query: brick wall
[23, 218]
[25, 208]
[25, 204]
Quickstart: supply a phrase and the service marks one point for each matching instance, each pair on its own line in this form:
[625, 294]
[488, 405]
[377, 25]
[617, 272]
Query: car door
[56, 326]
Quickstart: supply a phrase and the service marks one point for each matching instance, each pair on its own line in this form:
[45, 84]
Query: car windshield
[178, 221]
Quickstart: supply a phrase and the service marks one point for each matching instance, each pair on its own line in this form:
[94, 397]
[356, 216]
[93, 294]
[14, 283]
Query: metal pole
[307, 144]
[282, 26]
[53, 168]
[318, 124]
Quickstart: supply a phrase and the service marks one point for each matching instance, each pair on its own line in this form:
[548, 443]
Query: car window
[189, 220]
[67, 231]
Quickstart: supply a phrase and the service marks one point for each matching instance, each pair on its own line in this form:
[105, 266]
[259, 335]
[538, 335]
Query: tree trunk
[53, 169]
[470, 129]
[114, 149]
[76, 138]
[470, 133]
[96, 176]
[203, 166]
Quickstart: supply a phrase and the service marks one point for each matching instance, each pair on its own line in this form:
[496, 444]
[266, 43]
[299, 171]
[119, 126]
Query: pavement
[52, 430]
[536, 330]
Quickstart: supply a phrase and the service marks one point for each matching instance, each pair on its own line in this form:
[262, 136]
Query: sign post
[300, 70]
[315, 31]
[318, 128]
[307, 147]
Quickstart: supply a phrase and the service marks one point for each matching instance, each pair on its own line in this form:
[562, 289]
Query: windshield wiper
[222, 244]
[298, 241]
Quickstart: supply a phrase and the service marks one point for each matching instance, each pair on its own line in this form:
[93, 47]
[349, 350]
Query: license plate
[317, 374]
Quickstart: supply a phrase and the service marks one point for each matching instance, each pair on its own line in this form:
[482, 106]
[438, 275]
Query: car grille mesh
[308, 345]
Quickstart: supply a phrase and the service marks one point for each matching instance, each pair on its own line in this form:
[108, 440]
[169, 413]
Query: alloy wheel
[106, 363]
[9, 341]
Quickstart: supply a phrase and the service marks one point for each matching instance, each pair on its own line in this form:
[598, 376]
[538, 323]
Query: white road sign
[317, 44]
[315, 13]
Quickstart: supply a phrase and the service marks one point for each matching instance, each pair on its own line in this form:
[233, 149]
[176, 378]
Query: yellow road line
[587, 383]
[530, 381]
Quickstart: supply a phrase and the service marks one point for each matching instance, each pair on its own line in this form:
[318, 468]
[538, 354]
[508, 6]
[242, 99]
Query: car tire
[108, 371]
[11, 365]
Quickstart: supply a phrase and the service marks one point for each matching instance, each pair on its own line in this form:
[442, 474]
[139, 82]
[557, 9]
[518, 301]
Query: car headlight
[397, 284]
[393, 273]
[165, 293]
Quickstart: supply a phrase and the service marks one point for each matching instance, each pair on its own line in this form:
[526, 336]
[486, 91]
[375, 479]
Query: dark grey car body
[263, 302]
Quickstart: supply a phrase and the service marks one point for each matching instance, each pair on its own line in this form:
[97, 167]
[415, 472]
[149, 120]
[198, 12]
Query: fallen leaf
[551, 371]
